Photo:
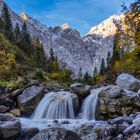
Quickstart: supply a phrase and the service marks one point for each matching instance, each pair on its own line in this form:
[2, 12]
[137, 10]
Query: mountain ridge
[73, 51]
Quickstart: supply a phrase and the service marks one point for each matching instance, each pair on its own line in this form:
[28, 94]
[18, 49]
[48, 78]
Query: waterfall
[57, 105]
[90, 104]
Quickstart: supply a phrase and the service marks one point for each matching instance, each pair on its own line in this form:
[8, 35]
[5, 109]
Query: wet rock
[56, 134]
[56, 121]
[28, 133]
[12, 95]
[131, 130]
[34, 82]
[65, 122]
[16, 112]
[7, 102]
[119, 137]
[81, 90]
[52, 86]
[120, 120]
[137, 121]
[85, 131]
[114, 101]
[10, 114]
[3, 109]
[122, 127]
[30, 97]
[133, 137]
[9, 126]
[128, 82]
[106, 131]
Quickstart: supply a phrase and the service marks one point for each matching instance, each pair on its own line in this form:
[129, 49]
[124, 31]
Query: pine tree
[86, 77]
[41, 58]
[52, 64]
[108, 59]
[109, 68]
[95, 72]
[25, 39]
[80, 74]
[7, 24]
[102, 68]
[52, 57]
[17, 33]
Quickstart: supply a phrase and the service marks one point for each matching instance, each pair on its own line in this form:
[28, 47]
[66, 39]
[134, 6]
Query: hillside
[76, 52]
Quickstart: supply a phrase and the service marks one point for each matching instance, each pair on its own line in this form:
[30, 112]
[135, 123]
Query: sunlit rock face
[100, 39]
[24, 16]
[107, 27]
[73, 51]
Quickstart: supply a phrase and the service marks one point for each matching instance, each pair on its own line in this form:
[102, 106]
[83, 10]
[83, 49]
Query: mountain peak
[107, 27]
[65, 26]
[24, 16]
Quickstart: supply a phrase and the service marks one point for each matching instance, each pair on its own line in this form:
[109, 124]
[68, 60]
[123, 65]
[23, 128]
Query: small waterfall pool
[59, 109]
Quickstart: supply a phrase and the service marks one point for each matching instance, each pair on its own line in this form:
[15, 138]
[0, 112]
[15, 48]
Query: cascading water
[57, 105]
[90, 104]
[58, 109]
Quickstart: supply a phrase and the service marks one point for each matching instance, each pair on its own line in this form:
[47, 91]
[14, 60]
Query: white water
[56, 105]
[90, 104]
[56, 109]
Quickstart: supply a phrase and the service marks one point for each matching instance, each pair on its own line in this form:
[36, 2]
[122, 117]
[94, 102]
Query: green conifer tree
[52, 57]
[95, 73]
[25, 39]
[40, 55]
[80, 74]
[17, 34]
[7, 24]
[102, 68]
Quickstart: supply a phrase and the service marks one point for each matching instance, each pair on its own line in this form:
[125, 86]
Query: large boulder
[28, 133]
[7, 102]
[128, 82]
[114, 101]
[56, 134]
[30, 97]
[12, 95]
[10, 127]
[16, 112]
[3, 109]
[81, 90]
[127, 127]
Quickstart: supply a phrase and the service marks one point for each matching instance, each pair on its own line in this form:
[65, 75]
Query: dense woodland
[22, 57]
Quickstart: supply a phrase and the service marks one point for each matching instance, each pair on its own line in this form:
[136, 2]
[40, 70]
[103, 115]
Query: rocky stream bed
[81, 112]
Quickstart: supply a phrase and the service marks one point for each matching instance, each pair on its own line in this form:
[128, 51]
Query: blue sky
[80, 14]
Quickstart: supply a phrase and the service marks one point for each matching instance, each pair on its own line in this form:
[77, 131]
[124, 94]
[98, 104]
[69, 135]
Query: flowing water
[90, 104]
[60, 105]
[58, 109]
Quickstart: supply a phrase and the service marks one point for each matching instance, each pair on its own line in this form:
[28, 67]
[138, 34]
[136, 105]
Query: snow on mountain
[107, 27]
